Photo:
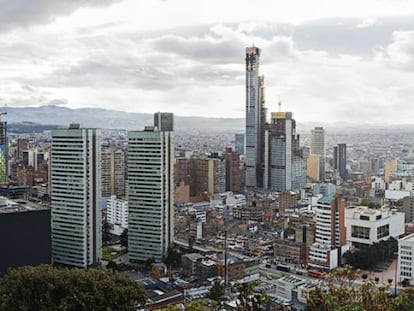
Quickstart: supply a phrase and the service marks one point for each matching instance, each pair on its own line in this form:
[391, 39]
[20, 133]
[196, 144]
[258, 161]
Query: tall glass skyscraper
[284, 166]
[76, 196]
[255, 120]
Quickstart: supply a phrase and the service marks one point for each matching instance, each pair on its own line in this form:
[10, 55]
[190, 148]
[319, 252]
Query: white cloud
[400, 53]
[188, 57]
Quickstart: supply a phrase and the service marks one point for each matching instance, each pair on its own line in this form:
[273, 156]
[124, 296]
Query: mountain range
[113, 119]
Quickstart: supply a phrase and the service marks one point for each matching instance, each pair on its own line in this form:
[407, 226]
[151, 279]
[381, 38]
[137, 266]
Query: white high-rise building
[117, 214]
[255, 119]
[150, 193]
[76, 196]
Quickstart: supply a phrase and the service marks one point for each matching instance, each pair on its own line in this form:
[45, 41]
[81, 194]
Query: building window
[383, 231]
[360, 232]
[363, 217]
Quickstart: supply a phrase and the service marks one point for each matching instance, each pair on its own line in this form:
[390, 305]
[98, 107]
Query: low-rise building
[365, 226]
[291, 251]
[285, 285]
[189, 263]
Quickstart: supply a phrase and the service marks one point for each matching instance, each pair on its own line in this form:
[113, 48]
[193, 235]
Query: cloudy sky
[332, 60]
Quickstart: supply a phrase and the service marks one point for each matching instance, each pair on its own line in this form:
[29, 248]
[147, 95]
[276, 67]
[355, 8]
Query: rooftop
[409, 238]
[20, 205]
[328, 198]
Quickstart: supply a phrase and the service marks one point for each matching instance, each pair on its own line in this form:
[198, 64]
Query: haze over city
[327, 61]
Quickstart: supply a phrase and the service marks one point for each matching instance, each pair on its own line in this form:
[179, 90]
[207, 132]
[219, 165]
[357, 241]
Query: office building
[314, 167]
[76, 196]
[233, 172]
[202, 174]
[255, 120]
[283, 163]
[330, 238]
[113, 172]
[164, 121]
[318, 141]
[340, 160]
[318, 148]
[239, 143]
[366, 226]
[150, 193]
[34, 158]
[3, 151]
[22, 145]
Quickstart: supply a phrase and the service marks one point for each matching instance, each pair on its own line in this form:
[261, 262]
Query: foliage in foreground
[47, 288]
[343, 294]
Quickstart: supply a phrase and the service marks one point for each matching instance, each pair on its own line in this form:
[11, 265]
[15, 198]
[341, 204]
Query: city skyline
[336, 61]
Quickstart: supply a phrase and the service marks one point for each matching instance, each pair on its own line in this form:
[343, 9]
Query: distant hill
[112, 119]
[50, 116]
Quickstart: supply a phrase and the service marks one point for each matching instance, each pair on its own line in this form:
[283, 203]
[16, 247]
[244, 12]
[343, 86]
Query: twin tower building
[273, 159]
[76, 194]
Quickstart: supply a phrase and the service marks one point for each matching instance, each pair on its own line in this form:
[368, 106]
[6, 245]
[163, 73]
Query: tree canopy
[48, 288]
[367, 257]
[343, 294]
[217, 291]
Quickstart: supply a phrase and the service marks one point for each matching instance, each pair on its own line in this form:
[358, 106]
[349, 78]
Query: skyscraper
[164, 121]
[255, 120]
[76, 196]
[232, 170]
[150, 193]
[113, 172]
[318, 149]
[3, 150]
[318, 141]
[239, 143]
[340, 160]
[284, 166]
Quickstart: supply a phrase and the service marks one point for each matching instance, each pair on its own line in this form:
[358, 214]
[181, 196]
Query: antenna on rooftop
[280, 104]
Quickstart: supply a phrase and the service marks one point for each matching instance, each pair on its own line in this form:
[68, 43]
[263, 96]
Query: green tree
[173, 258]
[369, 256]
[343, 294]
[148, 263]
[45, 288]
[106, 235]
[124, 238]
[217, 291]
[249, 300]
